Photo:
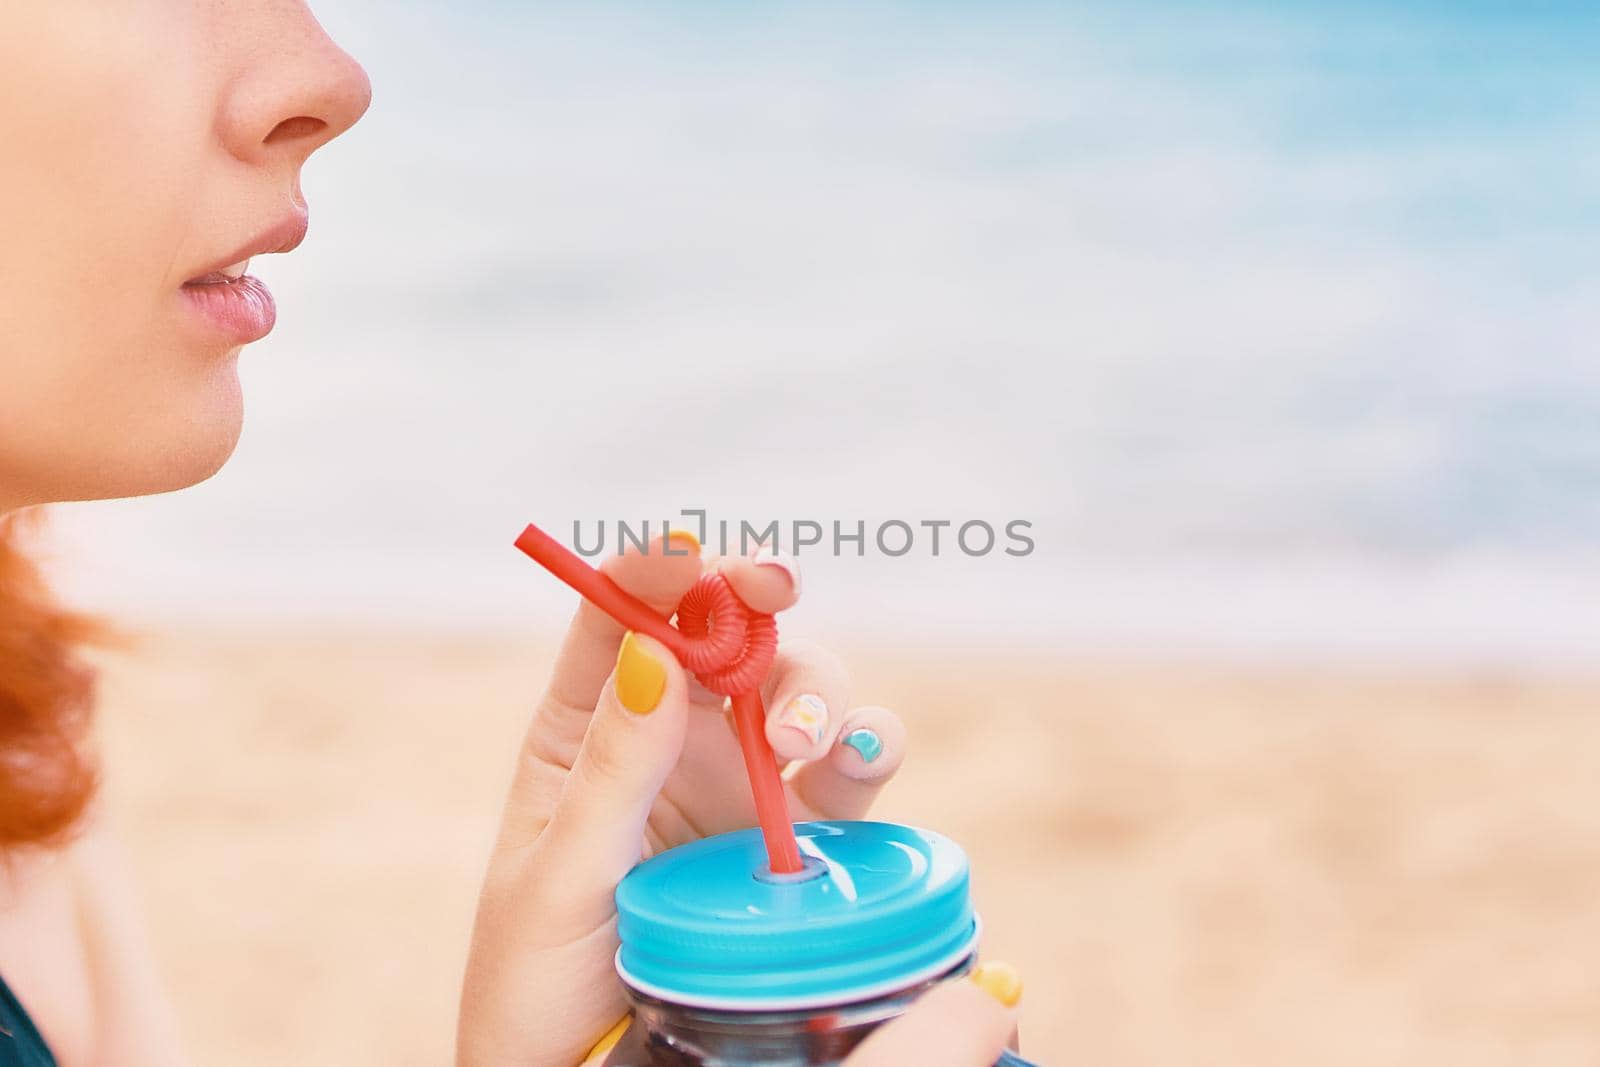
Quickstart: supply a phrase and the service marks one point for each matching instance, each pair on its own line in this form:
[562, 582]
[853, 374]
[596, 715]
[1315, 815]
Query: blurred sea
[1278, 324]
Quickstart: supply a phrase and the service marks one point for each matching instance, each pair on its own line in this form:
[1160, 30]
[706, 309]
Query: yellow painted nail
[1000, 980]
[641, 678]
[609, 1042]
[685, 539]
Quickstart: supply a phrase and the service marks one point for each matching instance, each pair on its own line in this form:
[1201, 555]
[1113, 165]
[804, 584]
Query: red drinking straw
[727, 646]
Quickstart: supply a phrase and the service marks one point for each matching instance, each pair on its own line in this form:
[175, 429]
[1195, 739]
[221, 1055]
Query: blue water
[1278, 322]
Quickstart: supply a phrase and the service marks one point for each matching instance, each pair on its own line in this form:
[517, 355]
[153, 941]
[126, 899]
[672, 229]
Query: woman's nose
[294, 92]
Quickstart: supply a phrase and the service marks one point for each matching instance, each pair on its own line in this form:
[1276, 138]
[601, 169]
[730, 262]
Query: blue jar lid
[881, 907]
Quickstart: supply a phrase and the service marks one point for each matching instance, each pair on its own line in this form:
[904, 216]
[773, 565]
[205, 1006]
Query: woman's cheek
[107, 157]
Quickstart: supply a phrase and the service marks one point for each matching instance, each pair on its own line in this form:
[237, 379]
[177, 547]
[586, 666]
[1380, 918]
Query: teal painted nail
[866, 742]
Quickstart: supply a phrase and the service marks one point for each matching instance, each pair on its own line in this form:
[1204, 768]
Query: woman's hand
[627, 756]
[957, 1024]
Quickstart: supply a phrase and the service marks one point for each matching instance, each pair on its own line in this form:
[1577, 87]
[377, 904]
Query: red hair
[47, 774]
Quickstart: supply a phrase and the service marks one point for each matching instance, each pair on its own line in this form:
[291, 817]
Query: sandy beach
[1188, 864]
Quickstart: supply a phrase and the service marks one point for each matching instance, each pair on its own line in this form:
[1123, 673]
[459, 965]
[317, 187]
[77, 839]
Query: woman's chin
[200, 448]
[176, 447]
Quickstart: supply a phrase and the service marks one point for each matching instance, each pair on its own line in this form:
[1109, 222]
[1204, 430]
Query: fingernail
[687, 543]
[865, 741]
[1000, 980]
[766, 557]
[609, 1042]
[807, 714]
[641, 678]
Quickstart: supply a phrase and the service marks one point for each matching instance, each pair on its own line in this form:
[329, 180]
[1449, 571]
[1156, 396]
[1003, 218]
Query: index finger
[659, 578]
[767, 581]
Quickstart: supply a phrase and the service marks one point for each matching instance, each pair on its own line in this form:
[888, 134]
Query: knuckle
[601, 760]
[805, 654]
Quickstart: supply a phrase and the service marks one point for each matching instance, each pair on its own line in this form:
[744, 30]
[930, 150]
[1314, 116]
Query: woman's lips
[235, 303]
[239, 306]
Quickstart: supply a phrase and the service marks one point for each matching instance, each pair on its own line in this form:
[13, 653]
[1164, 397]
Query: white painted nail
[808, 714]
[766, 557]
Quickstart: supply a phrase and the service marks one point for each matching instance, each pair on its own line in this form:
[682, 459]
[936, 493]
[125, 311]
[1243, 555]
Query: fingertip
[955, 1024]
[789, 744]
[681, 543]
[871, 746]
[779, 563]
[640, 676]
[865, 755]
[608, 1041]
[1000, 980]
[798, 729]
[672, 671]
[995, 1019]
[659, 573]
[767, 581]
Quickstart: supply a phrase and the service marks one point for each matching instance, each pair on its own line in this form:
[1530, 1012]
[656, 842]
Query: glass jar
[729, 965]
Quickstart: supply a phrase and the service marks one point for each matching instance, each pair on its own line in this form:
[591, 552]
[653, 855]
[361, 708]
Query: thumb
[957, 1024]
[596, 832]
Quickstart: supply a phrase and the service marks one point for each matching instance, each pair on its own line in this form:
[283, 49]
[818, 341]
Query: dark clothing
[20, 1043]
